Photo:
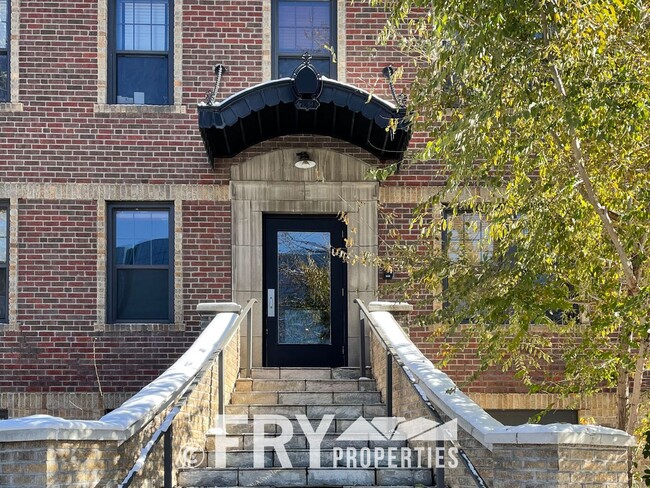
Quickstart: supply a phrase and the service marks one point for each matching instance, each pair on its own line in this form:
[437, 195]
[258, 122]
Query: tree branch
[589, 191]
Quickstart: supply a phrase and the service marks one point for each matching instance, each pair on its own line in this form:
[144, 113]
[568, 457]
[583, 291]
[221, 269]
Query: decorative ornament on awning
[305, 103]
[307, 85]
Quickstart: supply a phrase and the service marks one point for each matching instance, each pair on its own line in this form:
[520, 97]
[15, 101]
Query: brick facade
[65, 154]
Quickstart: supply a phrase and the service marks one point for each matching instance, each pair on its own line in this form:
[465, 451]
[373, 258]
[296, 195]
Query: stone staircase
[317, 394]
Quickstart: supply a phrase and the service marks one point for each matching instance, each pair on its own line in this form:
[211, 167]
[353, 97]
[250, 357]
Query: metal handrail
[391, 354]
[165, 429]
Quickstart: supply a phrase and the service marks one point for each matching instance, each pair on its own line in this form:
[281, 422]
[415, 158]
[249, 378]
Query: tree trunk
[635, 398]
[622, 395]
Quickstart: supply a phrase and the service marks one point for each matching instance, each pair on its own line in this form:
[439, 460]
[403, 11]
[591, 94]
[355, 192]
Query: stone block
[361, 397]
[341, 411]
[341, 477]
[305, 398]
[274, 477]
[286, 410]
[305, 373]
[404, 477]
[266, 373]
[208, 477]
[278, 385]
[254, 398]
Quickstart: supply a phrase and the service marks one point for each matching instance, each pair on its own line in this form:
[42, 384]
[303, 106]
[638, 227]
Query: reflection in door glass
[304, 305]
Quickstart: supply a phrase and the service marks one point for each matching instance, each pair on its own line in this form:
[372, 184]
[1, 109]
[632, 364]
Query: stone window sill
[140, 327]
[10, 326]
[105, 108]
[9, 107]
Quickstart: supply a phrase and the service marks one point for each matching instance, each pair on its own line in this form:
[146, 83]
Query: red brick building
[127, 197]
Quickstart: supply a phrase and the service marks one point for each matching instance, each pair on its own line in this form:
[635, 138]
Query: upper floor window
[465, 239]
[140, 263]
[140, 57]
[4, 261]
[466, 235]
[4, 50]
[301, 26]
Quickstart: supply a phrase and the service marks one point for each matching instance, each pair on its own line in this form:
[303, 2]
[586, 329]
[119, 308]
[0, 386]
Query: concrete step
[299, 441]
[307, 486]
[208, 477]
[339, 425]
[316, 410]
[339, 385]
[305, 398]
[307, 373]
[329, 458]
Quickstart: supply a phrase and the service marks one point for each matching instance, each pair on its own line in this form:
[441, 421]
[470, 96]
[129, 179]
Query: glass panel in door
[304, 287]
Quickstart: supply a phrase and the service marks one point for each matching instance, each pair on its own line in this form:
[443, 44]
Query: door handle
[270, 302]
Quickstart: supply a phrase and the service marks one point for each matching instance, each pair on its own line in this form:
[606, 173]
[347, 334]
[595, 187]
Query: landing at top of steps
[306, 373]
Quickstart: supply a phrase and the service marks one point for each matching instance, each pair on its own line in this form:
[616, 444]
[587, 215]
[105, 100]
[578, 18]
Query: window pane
[158, 38]
[4, 78]
[142, 80]
[467, 234]
[3, 294]
[303, 26]
[142, 13]
[304, 288]
[142, 25]
[287, 65]
[142, 294]
[141, 237]
[4, 10]
[142, 38]
[3, 235]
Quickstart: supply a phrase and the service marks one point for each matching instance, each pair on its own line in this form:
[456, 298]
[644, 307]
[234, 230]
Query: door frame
[272, 222]
[270, 183]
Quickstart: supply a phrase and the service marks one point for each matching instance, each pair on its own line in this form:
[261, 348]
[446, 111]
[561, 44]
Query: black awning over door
[303, 104]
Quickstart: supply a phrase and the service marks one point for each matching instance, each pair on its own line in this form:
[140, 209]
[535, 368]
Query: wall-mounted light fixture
[304, 162]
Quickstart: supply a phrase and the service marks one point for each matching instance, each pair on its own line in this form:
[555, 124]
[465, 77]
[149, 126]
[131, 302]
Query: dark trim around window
[6, 51]
[4, 268]
[112, 267]
[275, 55]
[113, 54]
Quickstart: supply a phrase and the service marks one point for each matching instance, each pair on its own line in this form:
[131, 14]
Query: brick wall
[493, 388]
[64, 153]
[206, 246]
[64, 135]
[50, 351]
[57, 345]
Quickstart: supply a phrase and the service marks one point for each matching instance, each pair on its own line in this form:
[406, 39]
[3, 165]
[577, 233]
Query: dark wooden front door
[305, 294]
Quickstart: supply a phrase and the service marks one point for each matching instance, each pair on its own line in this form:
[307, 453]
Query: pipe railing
[180, 399]
[392, 354]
